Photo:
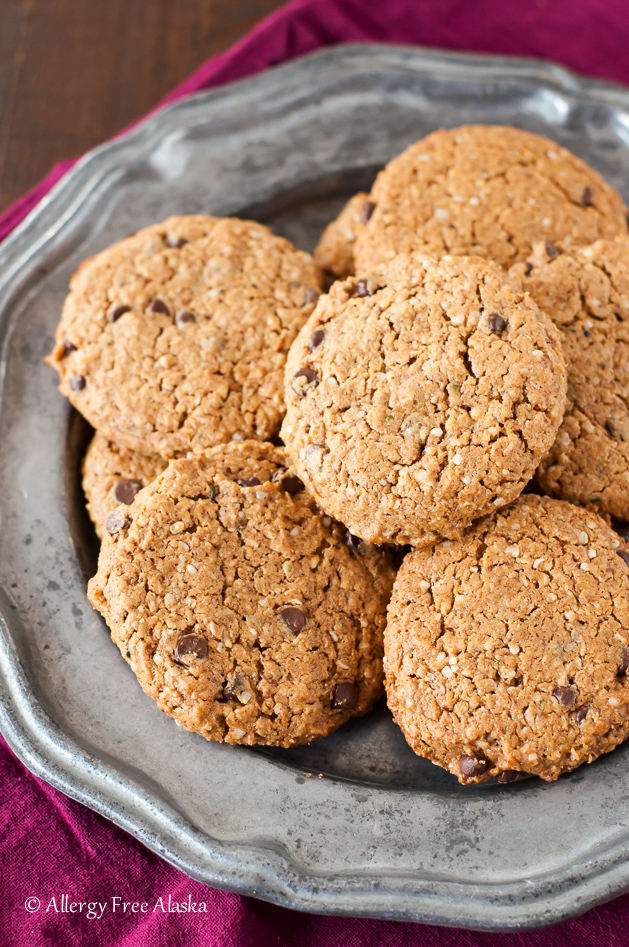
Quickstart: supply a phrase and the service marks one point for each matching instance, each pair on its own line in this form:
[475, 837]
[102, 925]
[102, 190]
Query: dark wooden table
[74, 72]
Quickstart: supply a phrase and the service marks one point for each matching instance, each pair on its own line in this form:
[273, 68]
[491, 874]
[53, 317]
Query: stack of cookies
[261, 447]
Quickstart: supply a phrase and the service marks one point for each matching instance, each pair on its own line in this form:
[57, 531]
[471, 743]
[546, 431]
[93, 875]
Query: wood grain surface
[74, 72]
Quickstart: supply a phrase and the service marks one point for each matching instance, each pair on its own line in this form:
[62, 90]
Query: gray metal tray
[381, 833]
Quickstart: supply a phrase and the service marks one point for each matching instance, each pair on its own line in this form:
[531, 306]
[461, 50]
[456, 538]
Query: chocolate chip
[582, 713]
[67, 347]
[176, 242]
[125, 491]
[234, 687]
[316, 339]
[473, 765]
[565, 695]
[287, 482]
[308, 373]
[528, 269]
[252, 482]
[77, 383]
[623, 555]
[310, 296]
[116, 522]
[158, 305]
[363, 288]
[352, 541]
[345, 696]
[496, 323]
[507, 776]
[314, 449]
[291, 485]
[615, 431]
[587, 197]
[304, 379]
[193, 646]
[114, 312]
[294, 618]
[551, 250]
[623, 667]
[184, 317]
[366, 212]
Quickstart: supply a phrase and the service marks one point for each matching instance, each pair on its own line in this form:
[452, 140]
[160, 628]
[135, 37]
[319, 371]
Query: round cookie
[335, 249]
[113, 475]
[586, 293]
[488, 191]
[176, 337]
[507, 651]
[241, 608]
[414, 408]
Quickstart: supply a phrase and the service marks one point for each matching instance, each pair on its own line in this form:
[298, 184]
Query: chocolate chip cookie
[335, 250]
[176, 337]
[507, 651]
[485, 190]
[586, 293]
[113, 475]
[416, 406]
[242, 609]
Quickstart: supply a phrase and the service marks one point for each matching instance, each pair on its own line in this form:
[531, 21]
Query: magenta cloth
[54, 848]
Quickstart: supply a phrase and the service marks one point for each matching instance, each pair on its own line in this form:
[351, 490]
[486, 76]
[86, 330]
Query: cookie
[113, 475]
[415, 407]
[176, 337]
[507, 651]
[241, 608]
[335, 250]
[586, 293]
[487, 191]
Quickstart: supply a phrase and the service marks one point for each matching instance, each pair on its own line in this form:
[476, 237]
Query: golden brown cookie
[176, 337]
[416, 407]
[586, 293]
[113, 475]
[507, 651]
[241, 607]
[335, 250]
[486, 190]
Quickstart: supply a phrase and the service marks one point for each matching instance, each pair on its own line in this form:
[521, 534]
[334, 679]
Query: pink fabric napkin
[54, 853]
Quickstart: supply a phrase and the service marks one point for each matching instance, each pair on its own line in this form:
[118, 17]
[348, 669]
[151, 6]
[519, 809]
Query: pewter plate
[375, 831]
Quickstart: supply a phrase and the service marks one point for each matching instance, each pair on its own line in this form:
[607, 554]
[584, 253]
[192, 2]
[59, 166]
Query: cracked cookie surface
[414, 408]
[585, 291]
[507, 651]
[240, 607]
[489, 191]
[176, 337]
[112, 475]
